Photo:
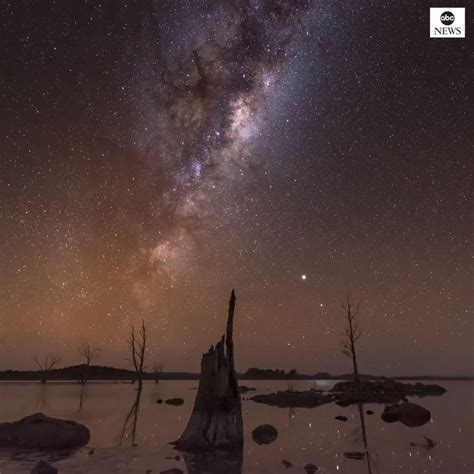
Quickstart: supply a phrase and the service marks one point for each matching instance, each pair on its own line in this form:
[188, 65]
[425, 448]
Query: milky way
[157, 154]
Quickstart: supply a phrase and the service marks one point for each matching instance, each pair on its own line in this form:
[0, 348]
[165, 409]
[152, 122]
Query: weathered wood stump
[216, 420]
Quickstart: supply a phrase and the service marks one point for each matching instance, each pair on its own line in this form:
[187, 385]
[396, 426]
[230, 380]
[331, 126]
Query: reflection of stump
[216, 420]
[214, 462]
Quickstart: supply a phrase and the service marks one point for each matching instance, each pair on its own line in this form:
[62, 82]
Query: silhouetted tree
[137, 347]
[157, 371]
[352, 334]
[46, 365]
[89, 354]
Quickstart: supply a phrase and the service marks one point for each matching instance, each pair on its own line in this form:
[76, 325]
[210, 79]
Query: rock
[354, 455]
[43, 467]
[159, 401]
[92, 451]
[245, 389]
[42, 432]
[174, 401]
[310, 468]
[341, 418]
[287, 399]
[428, 389]
[172, 471]
[286, 463]
[369, 412]
[410, 414]
[264, 434]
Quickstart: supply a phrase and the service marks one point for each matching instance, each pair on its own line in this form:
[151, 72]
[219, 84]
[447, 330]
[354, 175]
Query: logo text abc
[447, 18]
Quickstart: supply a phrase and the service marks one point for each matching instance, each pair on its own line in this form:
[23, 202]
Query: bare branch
[137, 348]
[89, 354]
[352, 333]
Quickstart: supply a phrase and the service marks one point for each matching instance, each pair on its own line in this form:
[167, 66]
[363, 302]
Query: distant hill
[100, 372]
[93, 372]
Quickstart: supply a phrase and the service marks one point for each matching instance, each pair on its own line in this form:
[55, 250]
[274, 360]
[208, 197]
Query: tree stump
[216, 420]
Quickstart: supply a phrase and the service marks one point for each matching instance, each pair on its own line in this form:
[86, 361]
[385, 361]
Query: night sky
[156, 154]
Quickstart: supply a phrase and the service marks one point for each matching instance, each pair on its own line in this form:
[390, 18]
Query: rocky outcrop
[264, 434]
[381, 391]
[42, 432]
[410, 414]
[216, 420]
[287, 399]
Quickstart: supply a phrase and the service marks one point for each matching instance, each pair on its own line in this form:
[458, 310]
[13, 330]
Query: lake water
[305, 435]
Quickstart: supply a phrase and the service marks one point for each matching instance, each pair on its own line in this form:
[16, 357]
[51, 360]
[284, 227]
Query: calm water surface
[125, 443]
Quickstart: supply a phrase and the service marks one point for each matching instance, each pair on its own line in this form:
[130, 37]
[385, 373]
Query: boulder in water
[42, 432]
[174, 402]
[410, 414]
[43, 467]
[288, 398]
[264, 434]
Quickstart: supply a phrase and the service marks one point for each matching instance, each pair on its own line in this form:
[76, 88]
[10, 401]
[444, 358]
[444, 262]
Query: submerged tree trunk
[216, 420]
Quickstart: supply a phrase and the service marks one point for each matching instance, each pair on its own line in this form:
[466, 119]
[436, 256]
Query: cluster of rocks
[386, 391]
[288, 399]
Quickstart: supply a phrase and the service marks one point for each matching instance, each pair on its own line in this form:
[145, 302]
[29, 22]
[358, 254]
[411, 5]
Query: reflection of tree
[291, 415]
[82, 397]
[129, 428]
[41, 401]
[214, 462]
[364, 437]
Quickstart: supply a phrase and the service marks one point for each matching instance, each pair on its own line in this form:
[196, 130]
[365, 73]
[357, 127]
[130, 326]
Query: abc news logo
[447, 23]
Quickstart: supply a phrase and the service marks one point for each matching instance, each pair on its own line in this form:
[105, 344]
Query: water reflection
[129, 428]
[82, 397]
[364, 437]
[41, 399]
[214, 462]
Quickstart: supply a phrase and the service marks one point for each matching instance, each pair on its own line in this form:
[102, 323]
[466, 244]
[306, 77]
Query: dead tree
[157, 371]
[216, 420]
[351, 335]
[137, 347]
[46, 365]
[89, 354]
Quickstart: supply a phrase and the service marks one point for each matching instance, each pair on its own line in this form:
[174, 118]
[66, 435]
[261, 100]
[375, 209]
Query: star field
[155, 155]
